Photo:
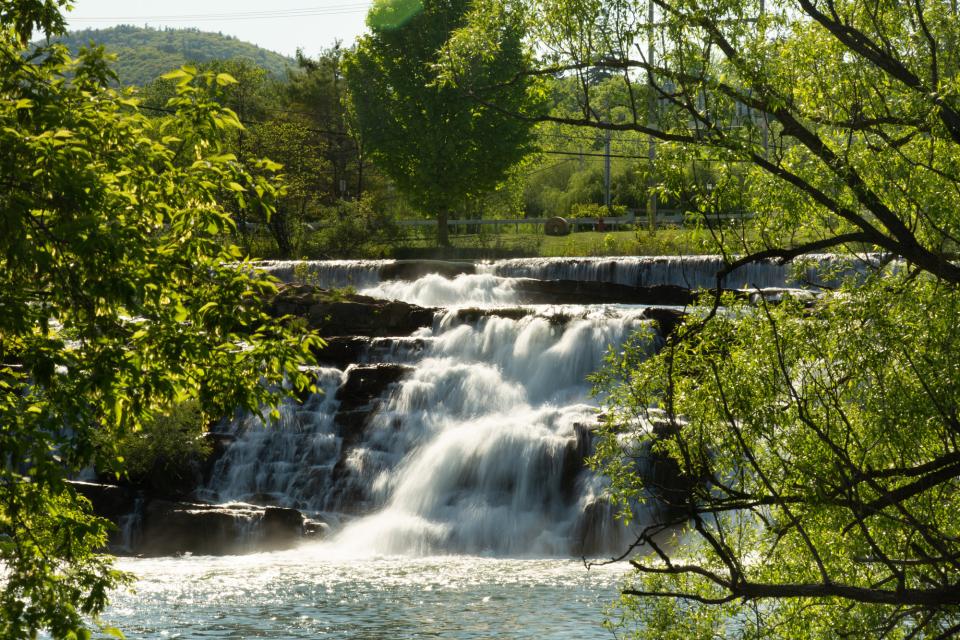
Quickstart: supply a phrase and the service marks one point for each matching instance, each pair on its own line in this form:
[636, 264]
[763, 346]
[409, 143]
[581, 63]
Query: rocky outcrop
[366, 383]
[342, 351]
[667, 319]
[414, 269]
[156, 527]
[594, 529]
[109, 501]
[334, 313]
[581, 292]
[575, 455]
[474, 314]
[170, 528]
[281, 527]
[360, 396]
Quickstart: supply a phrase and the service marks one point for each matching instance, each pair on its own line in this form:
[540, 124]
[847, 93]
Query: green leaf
[178, 74]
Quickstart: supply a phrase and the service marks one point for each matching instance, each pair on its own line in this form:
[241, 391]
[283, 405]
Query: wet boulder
[109, 501]
[171, 528]
[366, 383]
[414, 269]
[315, 529]
[280, 528]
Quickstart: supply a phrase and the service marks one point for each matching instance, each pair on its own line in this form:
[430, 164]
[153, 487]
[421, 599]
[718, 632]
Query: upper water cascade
[689, 272]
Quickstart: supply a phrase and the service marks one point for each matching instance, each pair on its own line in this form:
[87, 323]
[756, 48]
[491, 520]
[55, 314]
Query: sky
[278, 25]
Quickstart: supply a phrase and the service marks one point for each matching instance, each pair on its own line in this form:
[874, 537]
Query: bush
[167, 455]
[593, 210]
[353, 229]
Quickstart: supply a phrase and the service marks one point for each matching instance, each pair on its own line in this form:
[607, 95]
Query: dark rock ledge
[158, 527]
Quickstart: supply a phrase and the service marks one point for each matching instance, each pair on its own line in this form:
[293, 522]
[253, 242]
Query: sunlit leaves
[119, 297]
[802, 425]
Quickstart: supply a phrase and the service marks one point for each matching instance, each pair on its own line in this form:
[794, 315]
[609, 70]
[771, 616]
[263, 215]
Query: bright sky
[278, 25]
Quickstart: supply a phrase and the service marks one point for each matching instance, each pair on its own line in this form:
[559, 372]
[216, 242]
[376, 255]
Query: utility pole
[606, 172]
[651, 122]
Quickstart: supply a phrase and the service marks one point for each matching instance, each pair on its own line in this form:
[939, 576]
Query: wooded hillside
[144, 53]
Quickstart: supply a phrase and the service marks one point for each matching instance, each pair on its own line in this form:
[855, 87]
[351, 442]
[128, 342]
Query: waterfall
[286, 463]
[325, 273]
[467, 436]
[476, 446]
[691, 272]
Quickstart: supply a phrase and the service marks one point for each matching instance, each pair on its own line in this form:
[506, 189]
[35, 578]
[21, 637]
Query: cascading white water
[473, 451]
[486, 424]
[326, 273]
[285, 463]
[477, 447]
[434, 290]
[692, 272]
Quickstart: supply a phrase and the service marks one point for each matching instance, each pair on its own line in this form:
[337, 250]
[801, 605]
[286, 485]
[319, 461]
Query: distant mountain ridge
[144, 53]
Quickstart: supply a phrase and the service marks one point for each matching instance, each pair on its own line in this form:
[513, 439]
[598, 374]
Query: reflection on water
[314, 592]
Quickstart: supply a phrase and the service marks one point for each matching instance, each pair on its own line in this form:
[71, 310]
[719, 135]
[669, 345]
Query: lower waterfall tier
[473, 442]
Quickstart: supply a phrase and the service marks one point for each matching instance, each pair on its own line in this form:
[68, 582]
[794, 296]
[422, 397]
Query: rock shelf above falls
[454, 414]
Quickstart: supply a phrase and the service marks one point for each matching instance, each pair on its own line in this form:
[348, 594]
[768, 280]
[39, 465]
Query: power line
[327, 132]
[555, 152]
[335, 9]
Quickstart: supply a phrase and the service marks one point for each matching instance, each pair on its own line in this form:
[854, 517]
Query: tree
[318, 91]
[816, 445]
[440, 143]
[118, 300]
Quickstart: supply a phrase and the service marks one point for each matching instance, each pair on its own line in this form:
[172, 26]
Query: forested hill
[144, 53]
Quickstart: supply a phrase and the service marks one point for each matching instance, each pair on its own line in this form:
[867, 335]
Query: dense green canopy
[439, 142]
[118, 299]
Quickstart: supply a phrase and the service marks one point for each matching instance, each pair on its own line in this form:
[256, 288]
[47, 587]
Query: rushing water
[316, 592]
[456, 505]
[692, 272]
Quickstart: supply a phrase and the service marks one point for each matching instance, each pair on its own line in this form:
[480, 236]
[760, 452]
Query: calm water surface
[312, 593]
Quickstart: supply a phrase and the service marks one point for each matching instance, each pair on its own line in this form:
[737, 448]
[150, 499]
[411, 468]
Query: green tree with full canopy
[819, 444]
[439, 142]
[118, 300]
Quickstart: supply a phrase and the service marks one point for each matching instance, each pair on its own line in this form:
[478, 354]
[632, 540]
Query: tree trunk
[279, 225]
[443, 237]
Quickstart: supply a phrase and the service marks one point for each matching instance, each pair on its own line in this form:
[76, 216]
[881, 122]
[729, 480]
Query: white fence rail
[608, 222]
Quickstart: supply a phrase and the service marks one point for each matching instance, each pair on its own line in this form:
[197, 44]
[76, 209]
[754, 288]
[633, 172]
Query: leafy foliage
[118, 299]
[165, 456]
[824, 445]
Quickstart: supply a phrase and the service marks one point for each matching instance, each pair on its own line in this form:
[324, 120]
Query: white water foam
[693, 272]
[475, 451]
[434, 290]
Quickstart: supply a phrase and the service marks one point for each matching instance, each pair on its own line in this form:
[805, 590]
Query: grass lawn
[525, 241]
[671, 241]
